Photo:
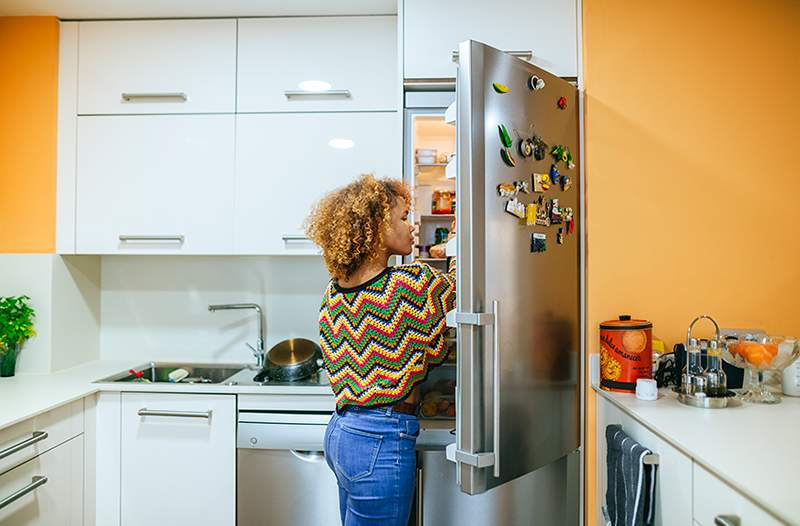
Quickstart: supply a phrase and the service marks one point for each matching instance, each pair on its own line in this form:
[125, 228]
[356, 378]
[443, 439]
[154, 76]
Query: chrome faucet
[258, 351]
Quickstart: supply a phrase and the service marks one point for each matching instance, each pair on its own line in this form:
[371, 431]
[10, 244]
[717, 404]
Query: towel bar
[651, 459]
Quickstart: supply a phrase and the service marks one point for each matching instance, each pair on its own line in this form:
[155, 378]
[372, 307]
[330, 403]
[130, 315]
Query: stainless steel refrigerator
[515, 458]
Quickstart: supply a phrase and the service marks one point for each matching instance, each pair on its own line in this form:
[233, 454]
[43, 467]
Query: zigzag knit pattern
[379, 339]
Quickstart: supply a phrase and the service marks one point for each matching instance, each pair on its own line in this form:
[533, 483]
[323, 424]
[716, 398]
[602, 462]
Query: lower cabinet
[46, 490]
[178, 459]
[715, 502]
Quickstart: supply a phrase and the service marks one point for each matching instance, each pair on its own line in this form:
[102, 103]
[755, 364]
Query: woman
[381, 329]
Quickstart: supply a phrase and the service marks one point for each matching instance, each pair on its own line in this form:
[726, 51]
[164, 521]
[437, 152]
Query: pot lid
[292, 352]
[625, 323]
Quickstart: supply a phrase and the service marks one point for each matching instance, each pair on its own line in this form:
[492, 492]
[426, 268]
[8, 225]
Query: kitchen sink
[158, 372]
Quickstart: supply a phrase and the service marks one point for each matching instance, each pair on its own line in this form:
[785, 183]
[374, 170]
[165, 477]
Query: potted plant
[16, 326]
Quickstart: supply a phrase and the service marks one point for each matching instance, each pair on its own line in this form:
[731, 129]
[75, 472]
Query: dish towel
[631, 484]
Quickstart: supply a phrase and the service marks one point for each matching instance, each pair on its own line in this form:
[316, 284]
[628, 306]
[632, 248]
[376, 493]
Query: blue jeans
[372, 453]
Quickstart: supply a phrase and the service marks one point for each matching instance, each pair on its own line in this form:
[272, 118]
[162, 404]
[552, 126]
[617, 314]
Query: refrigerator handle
[496, 385]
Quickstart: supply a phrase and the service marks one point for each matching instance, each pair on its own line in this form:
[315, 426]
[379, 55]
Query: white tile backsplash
[156, 307]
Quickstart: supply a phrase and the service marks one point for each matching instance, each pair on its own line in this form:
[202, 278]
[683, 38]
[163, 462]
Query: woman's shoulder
[416, 269]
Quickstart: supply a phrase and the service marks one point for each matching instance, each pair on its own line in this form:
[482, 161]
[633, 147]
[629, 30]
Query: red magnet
[562, 103]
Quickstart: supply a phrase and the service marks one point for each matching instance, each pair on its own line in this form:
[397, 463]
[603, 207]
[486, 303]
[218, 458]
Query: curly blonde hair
[349, 222]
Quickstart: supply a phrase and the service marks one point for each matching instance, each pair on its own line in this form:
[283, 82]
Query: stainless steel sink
[158, 372]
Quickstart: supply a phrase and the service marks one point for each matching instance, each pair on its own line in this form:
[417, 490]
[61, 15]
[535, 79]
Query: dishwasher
[282, 476]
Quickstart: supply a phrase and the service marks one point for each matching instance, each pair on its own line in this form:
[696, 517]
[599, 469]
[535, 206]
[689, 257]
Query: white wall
[156, 307]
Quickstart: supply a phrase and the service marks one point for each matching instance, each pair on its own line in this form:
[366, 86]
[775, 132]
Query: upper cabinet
[433, 30]
[157, 66]
[318, 64]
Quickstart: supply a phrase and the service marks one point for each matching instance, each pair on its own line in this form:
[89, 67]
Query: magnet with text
[535, 83]
[500, 88]
[562, 153]
[555, 212]
[562, 103]
[560, 236]
[541, 183]
[515, 208]
[538, 242]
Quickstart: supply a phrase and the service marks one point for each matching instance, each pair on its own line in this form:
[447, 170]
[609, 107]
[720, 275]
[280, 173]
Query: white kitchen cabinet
[433, 30]
[357, 56]
[285, 162]
[178, 459]
[714, 498]
[55, 483]
[157, 66]
[155, 184]
[674, 478]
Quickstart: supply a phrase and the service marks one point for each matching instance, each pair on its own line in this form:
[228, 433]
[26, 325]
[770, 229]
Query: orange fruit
[771, 348]
[756, 355]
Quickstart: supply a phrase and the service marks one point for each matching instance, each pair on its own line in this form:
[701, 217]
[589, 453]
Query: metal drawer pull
[524, 55]
[308, 456]
[290, 237]
[178, 238]
[290, 93]
[651, 459]
[36, 436]
[183, 414]
[496, 386]
[727, 520]
[148, 97]
[36, 481]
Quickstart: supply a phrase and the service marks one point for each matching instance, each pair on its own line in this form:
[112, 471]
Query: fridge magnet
[506, 190]
[566, 183]
[569, 219]
[555, 175]
[539, 148]
[541, 183]
[560, 236]
[538, 242]
[530, 214]
[562, 153]
[522, 187]
[505, 154]
[535, 83]
[542, 212]
[502, 88]
[515, 208]
[562, 103]
[505, 138]
[526, 147]
[555, 212]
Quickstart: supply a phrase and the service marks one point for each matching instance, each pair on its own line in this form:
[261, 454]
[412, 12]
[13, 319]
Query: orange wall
[28, 106]
[693, 185]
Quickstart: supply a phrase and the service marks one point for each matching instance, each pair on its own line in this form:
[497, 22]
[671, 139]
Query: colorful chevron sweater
[379, 339]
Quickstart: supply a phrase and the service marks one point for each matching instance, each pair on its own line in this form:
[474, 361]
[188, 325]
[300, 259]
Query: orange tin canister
[626, 353]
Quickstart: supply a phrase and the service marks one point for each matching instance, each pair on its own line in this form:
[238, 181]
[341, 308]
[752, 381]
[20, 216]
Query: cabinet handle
[292, 237]
[308, 456]
[178, 238]
[182, 414]
[496, 386]
[727, 520]
[36, 436]
[524, 55]
[147, 97]
[290, 93]
[420, 497]
[36, 481]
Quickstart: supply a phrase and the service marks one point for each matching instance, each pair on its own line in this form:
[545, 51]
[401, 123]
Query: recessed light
[341, 144]
[314, 85]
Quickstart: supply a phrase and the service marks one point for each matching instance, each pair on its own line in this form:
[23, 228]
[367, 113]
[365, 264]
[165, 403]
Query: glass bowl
[767, 353]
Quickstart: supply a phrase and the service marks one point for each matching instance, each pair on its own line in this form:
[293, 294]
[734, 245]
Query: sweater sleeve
[441, 300]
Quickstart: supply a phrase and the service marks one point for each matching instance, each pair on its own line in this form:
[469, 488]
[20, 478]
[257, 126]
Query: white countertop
[753, 447]
[26, 395]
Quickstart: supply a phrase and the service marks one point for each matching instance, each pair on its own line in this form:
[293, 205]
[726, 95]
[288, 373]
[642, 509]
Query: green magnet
[500, 88]
[506, 156]
[505, 138]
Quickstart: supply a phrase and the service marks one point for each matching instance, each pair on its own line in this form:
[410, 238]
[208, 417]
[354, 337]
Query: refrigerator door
[518, 312]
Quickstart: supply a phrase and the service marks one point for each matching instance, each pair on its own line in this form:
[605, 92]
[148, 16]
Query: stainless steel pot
[291, 360]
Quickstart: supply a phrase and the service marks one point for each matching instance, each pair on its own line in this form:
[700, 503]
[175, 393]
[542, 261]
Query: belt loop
[389, 411]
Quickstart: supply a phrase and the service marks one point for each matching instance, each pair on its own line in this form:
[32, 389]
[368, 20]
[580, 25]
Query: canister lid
[625, 323]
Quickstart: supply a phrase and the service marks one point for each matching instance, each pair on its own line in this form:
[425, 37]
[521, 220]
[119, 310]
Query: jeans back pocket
[356, 452]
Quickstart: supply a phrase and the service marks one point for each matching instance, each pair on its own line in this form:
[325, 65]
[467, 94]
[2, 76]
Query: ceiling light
[341, 144]
[314, 85]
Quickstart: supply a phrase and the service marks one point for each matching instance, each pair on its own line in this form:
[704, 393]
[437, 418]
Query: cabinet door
[49, 488]
[433, 30]
[155, 184]
[157, 66]
[357, 56]
[674, 475]
[714, 498]
[284, 163]
[178, 459]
